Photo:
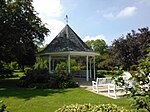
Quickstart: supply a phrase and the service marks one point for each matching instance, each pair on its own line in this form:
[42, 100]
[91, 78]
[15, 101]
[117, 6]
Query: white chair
[113, 88]
[100, 82]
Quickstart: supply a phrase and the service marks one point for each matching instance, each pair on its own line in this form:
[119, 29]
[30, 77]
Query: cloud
[126, 12]
[109, 15]
[86, 38]
[55, 27]
[145, 2]
[51, 8]
[50, 11]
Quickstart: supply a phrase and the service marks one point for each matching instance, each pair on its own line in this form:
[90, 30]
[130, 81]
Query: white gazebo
[68, 44]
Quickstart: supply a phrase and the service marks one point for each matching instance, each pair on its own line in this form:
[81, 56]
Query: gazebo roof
[66, 41]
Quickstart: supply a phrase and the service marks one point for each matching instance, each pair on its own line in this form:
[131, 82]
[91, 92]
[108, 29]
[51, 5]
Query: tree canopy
[100, 46]
[128, 50]
[20, 29]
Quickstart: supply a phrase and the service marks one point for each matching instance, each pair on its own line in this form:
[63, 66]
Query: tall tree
[128, 50]
[20, 28]
[100, 46]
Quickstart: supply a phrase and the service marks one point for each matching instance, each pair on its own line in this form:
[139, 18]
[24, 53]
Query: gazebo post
[68, 63]
[53, 65]
[90, 70]
[49, 64]
[94, 68]
[87, 71]
[41, 62]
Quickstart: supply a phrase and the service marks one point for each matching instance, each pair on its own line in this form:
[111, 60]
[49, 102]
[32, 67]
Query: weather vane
[66, 18]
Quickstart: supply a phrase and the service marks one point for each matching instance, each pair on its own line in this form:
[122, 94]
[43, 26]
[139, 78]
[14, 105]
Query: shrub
[69, 84]
[42, 79]
[3, 107]
[141, 86]
[5, 70]
[92, 108]
[33, 77]
[101, 73]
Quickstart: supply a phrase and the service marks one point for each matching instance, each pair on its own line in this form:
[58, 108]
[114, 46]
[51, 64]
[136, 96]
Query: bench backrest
[103, 81]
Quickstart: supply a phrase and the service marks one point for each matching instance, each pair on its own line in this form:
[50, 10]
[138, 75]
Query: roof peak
[66, 40]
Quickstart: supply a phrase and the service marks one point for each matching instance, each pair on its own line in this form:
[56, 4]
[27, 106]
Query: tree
[20, 29]
[140, 91]
[100, 46]
[128, 50]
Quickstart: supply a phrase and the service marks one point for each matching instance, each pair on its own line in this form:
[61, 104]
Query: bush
[92, 108]
[3, 107]
[42, 79]
[140, 92]
[35, 78]
[101, 73]
[5, 70]
[69, 84]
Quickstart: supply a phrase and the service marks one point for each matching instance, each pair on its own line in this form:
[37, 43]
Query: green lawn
[48, 100]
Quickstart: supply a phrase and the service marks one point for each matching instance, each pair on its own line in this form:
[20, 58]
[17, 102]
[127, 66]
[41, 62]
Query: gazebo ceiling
[67, 42]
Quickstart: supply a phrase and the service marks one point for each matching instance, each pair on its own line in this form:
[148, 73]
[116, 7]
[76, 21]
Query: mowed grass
[48, 100]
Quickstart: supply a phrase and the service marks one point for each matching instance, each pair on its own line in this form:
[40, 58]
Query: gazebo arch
[68, 43]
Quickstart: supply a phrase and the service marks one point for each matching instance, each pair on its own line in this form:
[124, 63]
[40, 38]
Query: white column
[68, 63]
[53, 65]
[87, 71]
[49, 60]
[90, 69]
[41, 62]
[94, 68]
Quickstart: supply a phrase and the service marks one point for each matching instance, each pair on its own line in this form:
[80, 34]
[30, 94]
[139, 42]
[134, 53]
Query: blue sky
[94, 19]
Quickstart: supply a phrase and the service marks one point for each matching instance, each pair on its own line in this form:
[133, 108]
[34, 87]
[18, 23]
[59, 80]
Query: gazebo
[68, 44]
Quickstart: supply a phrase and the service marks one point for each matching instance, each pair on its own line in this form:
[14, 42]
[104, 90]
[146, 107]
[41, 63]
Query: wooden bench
[100, 82]
[108, 83]
[113, 88]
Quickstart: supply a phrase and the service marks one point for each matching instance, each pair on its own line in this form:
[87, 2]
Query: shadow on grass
[8, 88]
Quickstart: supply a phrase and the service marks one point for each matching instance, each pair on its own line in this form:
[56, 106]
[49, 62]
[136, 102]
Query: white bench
[113, 88]
[109, 84]
[100, 82]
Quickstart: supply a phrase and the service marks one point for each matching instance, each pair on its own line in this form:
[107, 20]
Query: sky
[94, 19]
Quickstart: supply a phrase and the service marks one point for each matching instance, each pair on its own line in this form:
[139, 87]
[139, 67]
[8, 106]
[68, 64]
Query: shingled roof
[66, 40]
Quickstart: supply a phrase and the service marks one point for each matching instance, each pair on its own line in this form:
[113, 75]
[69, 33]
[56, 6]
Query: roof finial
[66, 18]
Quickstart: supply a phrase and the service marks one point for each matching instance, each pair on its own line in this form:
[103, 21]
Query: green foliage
[20, 30]
[99, 45]
[140, 90]
[14, 65]
[83, 68]
[33, 77]
[117, 71]
[142, 103]
[42, 79]
[101, 73]
[117, 76]
[3, 107]
[61, 67]
[92, 108]
[38, 63]
[128, 50]
[5, 70]
[103, 61]
[74, 65]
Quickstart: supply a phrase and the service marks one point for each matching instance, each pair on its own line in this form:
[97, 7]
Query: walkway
[102, 90]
